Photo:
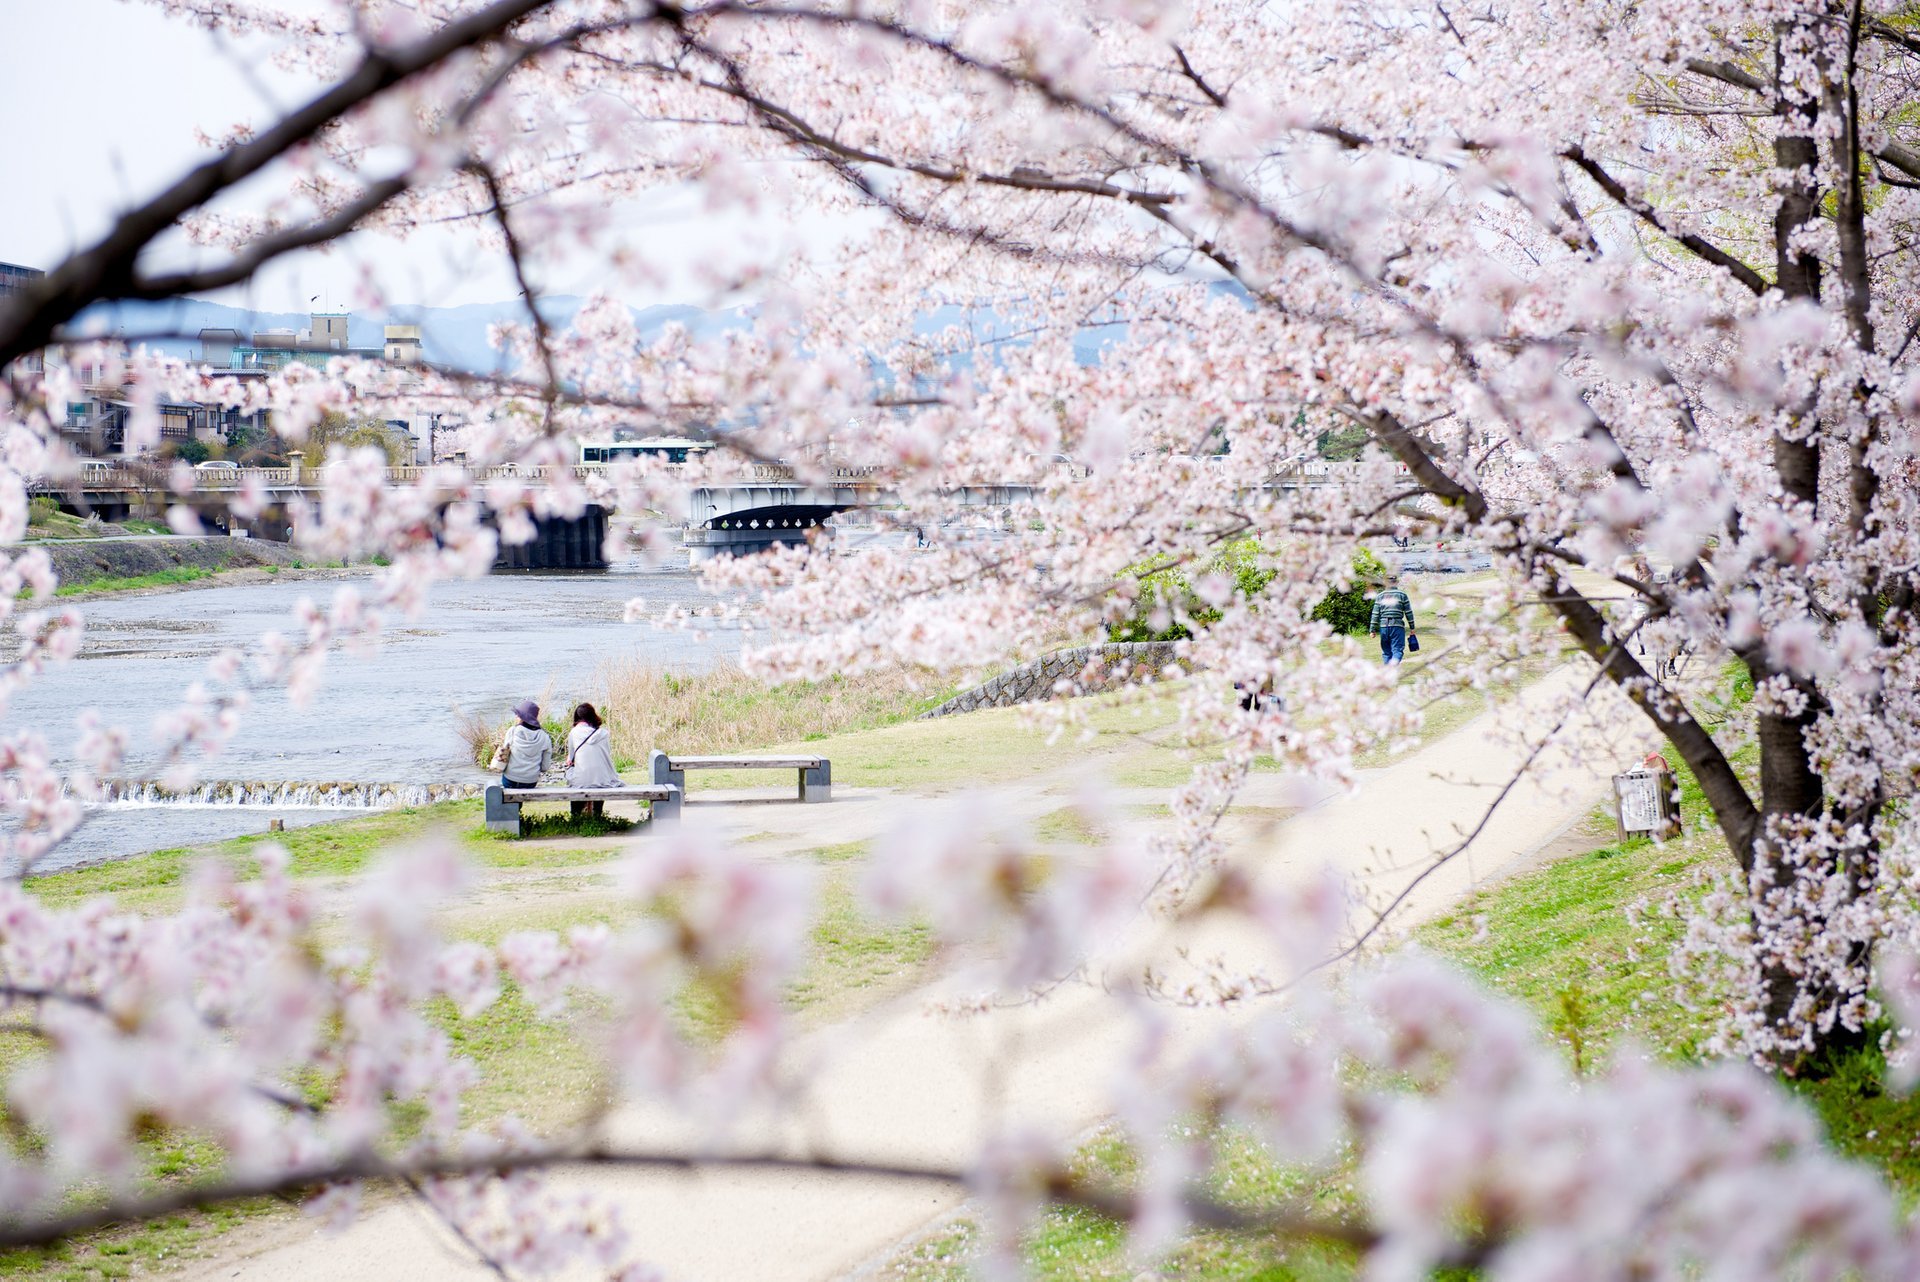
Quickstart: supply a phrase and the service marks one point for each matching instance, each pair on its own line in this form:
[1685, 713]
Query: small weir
[281, 795]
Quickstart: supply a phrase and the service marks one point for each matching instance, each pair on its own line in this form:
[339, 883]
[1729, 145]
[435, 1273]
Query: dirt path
[899, 1084]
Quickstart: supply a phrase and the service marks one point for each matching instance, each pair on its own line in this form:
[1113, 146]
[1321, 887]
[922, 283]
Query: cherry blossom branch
[1696, 244]
[517, 258]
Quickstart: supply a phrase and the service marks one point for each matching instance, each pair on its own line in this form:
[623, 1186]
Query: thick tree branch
[1060, 1187]
[1698, 246]
[1726, 795]
[1399, 440]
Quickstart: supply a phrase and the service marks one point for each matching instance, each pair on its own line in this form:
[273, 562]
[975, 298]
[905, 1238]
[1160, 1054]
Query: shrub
[1349, 607]
[1168, 590]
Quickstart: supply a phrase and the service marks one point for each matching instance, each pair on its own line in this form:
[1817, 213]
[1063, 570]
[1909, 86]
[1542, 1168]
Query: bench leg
[665, 813]
[502, 815]
[663, 772]
[817, 784]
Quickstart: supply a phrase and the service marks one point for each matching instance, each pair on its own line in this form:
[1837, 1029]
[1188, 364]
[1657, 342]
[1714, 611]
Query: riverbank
[108, 565]
[541, 1070]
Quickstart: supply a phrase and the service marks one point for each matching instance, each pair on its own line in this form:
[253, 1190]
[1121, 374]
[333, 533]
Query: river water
[387, 716]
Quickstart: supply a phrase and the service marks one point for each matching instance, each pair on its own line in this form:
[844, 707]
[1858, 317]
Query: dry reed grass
[720, 710]
[725, 710]
[479, 735]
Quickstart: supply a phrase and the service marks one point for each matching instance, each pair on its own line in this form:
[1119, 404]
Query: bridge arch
[755, 529]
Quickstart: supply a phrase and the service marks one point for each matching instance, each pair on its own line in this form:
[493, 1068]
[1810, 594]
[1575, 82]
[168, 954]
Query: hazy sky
[98, 109]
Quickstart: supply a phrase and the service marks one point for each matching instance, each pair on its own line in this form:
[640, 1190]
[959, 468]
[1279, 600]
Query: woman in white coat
[589, 757]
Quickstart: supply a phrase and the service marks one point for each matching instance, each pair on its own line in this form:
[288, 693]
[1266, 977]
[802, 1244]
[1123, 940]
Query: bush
[41, 510]
[1169, 591]
[1349, 608]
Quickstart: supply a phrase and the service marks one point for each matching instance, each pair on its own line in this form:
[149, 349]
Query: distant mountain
[456, 337]
[452, 336]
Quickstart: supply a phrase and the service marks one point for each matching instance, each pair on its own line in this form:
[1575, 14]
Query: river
[387, 716]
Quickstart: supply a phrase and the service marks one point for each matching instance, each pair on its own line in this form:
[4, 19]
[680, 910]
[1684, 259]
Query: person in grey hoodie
[527, 752]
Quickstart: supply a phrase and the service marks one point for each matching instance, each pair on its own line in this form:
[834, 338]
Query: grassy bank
[1581, 941]
[118, 565]
[543, 1071]
[158, 579]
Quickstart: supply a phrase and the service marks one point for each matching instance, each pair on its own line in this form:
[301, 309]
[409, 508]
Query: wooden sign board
[1644, 802]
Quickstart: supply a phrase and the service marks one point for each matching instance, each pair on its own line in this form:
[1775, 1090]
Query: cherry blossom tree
[1618, 292]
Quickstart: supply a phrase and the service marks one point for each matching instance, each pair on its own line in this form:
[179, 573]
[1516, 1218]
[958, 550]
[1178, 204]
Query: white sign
[1639, 794]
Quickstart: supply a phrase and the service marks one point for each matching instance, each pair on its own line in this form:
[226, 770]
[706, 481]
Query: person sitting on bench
[527, 751]
[590, 758]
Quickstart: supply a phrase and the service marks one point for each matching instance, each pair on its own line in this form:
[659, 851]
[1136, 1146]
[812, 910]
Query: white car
[216, 465]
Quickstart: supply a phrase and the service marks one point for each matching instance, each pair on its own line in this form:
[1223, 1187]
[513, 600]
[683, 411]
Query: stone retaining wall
[1086, 669]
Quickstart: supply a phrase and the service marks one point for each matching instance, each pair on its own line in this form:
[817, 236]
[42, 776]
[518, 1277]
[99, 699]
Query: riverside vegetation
[541, 1071]
[1583, 942]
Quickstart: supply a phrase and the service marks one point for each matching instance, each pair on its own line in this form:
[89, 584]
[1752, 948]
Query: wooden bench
[503, 804]
[816, 773]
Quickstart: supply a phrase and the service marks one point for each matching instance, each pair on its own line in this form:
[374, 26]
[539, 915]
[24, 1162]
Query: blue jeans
[508, 783]
[1393, 644]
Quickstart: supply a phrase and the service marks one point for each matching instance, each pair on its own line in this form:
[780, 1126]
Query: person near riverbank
[589, 757]
[527, 751]
[1392, 620]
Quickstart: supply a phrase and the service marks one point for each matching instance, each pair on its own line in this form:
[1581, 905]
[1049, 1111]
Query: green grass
[544, 1071]
[159, 578]
[152, 882]
[851, 957]
[1075, 1245]
[541, 826]
[1069, 825]
[51, 523]
[1565, 940]
[156, 1247]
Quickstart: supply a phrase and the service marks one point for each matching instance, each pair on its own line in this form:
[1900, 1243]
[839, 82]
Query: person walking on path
[527, 751]
[1392, 620]
[589, 757]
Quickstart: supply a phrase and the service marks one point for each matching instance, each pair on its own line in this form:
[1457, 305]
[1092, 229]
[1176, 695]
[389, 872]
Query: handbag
[1413, 643]
[575, 752]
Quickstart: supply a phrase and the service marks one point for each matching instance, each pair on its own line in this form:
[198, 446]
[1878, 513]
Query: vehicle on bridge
[669, 449]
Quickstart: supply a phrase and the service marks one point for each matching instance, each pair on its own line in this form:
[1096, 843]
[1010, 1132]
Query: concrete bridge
[772, 505]
[765, 506]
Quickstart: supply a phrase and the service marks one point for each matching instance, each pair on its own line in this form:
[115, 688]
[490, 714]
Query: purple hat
[529, 713]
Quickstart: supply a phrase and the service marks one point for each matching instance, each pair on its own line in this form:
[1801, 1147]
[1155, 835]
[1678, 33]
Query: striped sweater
[1391, 609]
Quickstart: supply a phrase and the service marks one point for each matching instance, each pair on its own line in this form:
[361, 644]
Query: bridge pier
[560, 544]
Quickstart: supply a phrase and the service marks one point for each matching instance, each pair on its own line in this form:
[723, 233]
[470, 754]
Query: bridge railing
[97, 477]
